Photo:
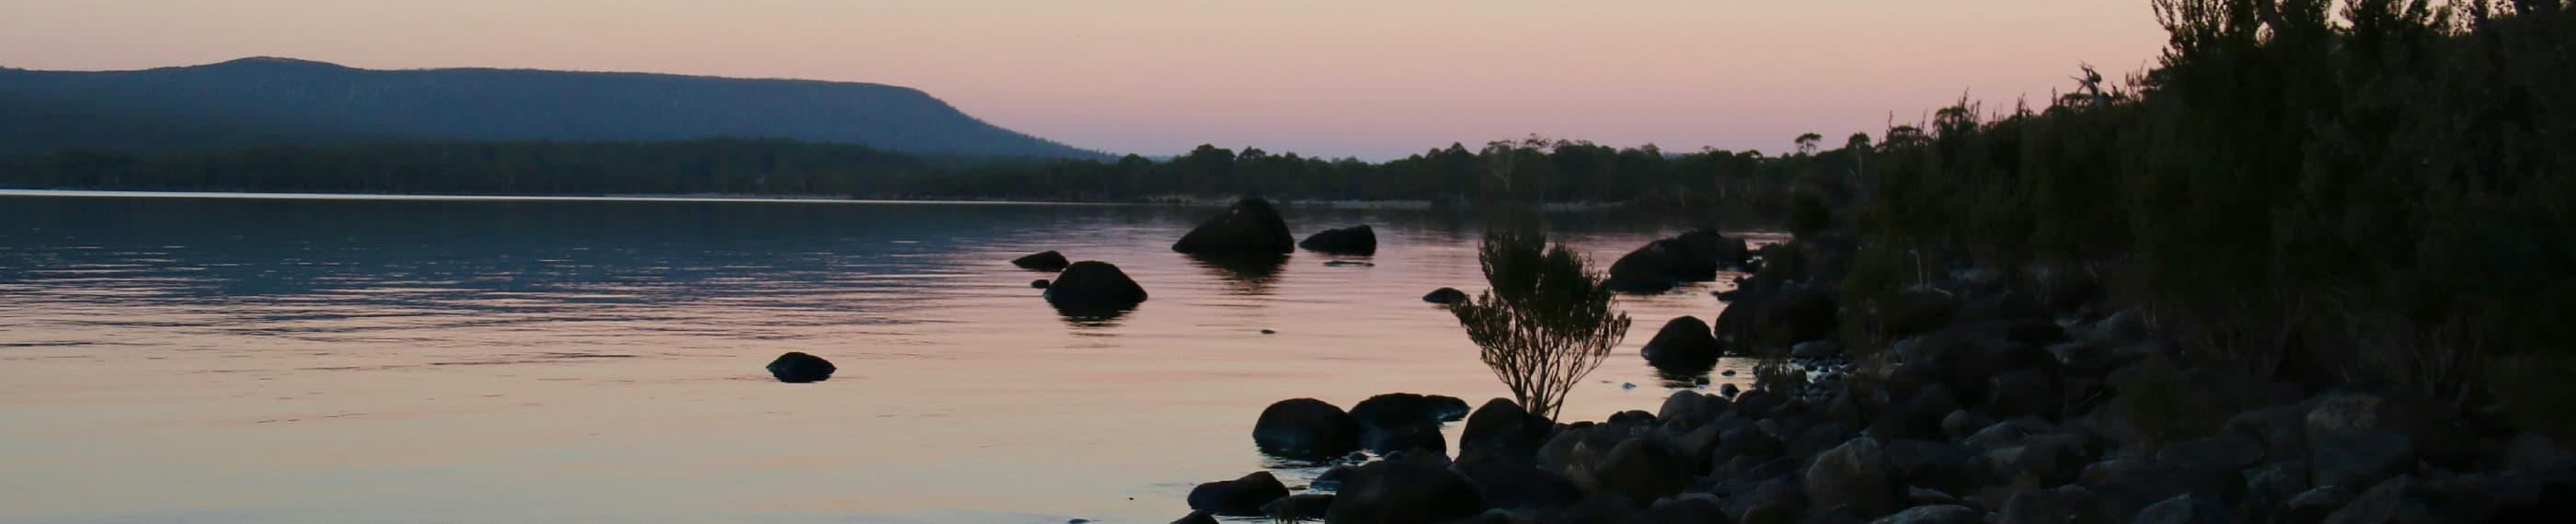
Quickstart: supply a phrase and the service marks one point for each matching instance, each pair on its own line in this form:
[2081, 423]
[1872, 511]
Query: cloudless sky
[1367, 78]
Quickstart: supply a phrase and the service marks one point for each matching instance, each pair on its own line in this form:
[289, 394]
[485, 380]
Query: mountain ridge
[274, 100]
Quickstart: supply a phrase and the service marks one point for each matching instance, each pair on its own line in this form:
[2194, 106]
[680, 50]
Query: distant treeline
[1533, 169]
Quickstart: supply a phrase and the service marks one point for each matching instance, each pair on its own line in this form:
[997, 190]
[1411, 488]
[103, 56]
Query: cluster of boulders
[1695, 256]
[1987, 405]
[1249, 231]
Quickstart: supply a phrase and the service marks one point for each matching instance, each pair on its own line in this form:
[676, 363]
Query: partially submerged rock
[1042, 261]
[1306, 428]
[1684, 342]
[1094, 283]
[1446, 296]
[1242, 497]
[1354, 240]
[798, 367]
[1250, 227]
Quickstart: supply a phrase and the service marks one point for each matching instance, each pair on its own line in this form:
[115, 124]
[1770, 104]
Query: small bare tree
[1547, 320]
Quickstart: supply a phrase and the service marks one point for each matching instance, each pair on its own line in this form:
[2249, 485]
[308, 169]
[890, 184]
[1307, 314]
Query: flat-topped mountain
[263, 100]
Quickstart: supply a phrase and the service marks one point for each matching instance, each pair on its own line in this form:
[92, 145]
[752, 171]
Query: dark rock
[1816, 349]
[1758, 404]
[1042, 261]
[2005, 434]
[1919, 417]
[2001, 307]
[1446, 296]
[2061, 505]
[1796, 315]
[797, 367]
[1643, 469]
[2185, 509]
[1709, 245]
[1395, 410]
[1354, 240]
[2358, 456]
[2437, 432]
[1250, 227]
[1092, 282]
[1934, 464]
[1729, 390]
[2384, 503]
[1686, 410]
[1941, 514]
[1748, 442]
[1305, 428]
[1629, 419]
[1502, 427]
[1915, 312]
[2529, 451]
[1684, 510]
[2027, 392]
[1299, 508]
[1600, 508]
[1769, 513]
[1422, 437]
[1039, 283]
[1515, 485]
[1818, 438]
[2268, 489]
[1577, 448]
[1854, 475]
[1406, 489]
[2315, 504]
[2225, 451]
[1239, 497]
[2127, 486]
[1657, 267]
[1684, 342]
[1923, 496]
[1962, 423]
[1196, 517]
[2048, 461]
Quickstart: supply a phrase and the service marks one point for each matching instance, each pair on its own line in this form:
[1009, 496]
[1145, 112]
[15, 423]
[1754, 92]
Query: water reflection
[1244, 274]
[614, 350]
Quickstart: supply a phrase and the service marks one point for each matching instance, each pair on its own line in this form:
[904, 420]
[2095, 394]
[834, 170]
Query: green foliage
[1546, 322]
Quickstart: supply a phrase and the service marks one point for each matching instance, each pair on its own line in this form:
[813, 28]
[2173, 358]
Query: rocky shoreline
[1981, 405]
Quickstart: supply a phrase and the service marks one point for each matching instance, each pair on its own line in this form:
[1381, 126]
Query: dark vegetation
[2379, 193]
[271, 101]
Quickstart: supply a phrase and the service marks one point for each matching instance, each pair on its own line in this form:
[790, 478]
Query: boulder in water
[797, 367]
[1241, 497]
[1395, 410]
[1092, 282]
[1446, 296]
[1250, 227]
[1658, 267]
[1305, 428]
[1684, 342]
[1042, 261]
[1355, 240]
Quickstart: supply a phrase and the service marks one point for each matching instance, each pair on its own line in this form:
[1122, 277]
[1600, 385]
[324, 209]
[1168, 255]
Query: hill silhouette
[264, 101]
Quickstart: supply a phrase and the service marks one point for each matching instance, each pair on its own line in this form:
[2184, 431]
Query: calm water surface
[376, 360]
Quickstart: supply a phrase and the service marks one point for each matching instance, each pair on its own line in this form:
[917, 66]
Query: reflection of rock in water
[1684, 374]
[1244, 274]
[1080, 314]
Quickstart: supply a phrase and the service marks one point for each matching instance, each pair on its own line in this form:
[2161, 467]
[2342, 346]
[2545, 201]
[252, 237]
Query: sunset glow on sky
[1373, 79]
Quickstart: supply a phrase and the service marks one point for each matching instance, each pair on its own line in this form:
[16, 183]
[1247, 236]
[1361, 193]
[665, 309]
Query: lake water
[463, 360]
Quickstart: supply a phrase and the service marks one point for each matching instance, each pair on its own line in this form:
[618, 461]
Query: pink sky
[1371, 78]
